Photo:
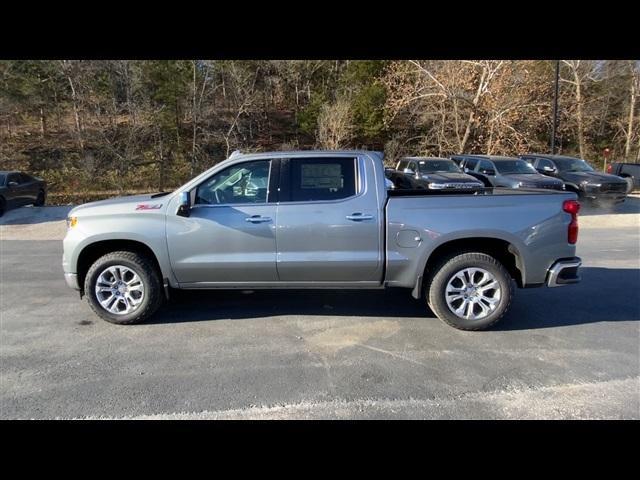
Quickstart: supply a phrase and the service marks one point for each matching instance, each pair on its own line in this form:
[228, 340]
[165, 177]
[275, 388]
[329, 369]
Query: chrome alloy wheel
[472, 293]
[119, 290]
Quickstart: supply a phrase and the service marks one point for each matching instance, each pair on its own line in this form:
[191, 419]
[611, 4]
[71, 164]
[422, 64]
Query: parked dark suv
[629, 171]
[506, 172]
[580, 177]
[18, 188]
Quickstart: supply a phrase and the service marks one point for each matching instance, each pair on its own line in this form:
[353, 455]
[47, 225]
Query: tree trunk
[57, 108]
[195, 121]
[476, 100]
[632, 107]
[42, 123]
[580, 116]
[76, 113]
[161, 154]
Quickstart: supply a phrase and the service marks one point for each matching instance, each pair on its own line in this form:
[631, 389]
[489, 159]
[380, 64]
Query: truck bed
[420, 221]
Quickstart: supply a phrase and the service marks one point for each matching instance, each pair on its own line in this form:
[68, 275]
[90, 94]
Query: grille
[548, 186]
[614, 187]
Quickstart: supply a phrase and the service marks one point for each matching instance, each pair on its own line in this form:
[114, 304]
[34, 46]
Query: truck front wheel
[123, 287]
[470, 291]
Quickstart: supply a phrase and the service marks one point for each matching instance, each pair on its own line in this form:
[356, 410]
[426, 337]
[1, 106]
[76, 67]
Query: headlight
[72, 222]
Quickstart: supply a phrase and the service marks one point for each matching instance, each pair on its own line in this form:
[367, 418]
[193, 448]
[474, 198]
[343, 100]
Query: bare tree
[634, 88]
[335, 125]
[243, 88]
[580, 73]
[68, 70]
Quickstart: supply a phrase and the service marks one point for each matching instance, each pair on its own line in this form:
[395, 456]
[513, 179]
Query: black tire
[448, 267]
[40, 199]
[629, 181]
[3, 206]
[149, 276]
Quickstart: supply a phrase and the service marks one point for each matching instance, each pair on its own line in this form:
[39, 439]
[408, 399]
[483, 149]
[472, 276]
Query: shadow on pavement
[32, 215]
[604, 295]
[202, 305]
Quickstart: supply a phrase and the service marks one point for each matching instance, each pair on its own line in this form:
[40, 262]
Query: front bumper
[564, 272]
[72, 280]
[606, 197]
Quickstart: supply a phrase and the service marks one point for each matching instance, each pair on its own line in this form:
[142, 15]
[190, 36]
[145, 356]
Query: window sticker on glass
[321, 176]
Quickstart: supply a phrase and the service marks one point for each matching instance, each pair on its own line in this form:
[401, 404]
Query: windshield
[572, 165]
[2, 179]
[514, 166]
[434, 166]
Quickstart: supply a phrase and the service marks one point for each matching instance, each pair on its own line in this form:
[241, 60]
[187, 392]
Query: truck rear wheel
[470, 291]
[123, 287]
[630, 184]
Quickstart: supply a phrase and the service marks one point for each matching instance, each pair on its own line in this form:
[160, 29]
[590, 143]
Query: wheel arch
[506, 252]
[572, 187]
[91, 252]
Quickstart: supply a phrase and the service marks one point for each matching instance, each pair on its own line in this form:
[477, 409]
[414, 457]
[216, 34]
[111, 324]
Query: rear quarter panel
[534, 224]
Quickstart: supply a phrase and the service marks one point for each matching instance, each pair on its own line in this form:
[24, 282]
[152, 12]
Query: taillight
[609, 168]
[572, 207]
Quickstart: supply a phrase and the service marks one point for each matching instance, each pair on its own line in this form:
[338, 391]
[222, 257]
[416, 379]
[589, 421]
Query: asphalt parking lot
[570, 352]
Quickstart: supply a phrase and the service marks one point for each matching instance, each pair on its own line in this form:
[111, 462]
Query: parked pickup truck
[581, 178]
[321, 219]
[432, 173]
[630, 172]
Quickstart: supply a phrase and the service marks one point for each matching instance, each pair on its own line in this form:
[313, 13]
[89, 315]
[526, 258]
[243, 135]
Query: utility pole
[555, 110]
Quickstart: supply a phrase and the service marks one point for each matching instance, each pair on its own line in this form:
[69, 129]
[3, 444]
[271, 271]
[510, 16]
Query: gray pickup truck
[321, 219]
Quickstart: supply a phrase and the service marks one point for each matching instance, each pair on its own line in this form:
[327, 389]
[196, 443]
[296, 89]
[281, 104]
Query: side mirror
[184, 208]
[12, 184]
[408, 171]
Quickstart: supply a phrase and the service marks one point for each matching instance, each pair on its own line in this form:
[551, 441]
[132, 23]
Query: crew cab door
[229, 235]
[329, 227]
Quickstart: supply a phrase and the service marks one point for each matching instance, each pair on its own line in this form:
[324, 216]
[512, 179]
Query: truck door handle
[257, 219]
[356, 217]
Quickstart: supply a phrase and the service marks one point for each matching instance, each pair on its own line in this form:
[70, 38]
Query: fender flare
[516, 248]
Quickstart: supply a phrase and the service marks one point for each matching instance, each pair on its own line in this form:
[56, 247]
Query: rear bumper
[564, 272]
[72, 280]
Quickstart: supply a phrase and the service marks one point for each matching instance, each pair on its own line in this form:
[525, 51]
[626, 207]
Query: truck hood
[533, 178]
[129, 204]
[444, 177]
[591, 177]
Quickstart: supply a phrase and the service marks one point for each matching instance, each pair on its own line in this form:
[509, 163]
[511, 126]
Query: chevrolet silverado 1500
[321, 219]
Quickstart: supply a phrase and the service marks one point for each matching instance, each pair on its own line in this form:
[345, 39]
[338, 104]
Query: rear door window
[318, 179]
[485, 165]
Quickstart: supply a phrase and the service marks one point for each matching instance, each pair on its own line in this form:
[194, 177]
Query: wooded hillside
[130, 125]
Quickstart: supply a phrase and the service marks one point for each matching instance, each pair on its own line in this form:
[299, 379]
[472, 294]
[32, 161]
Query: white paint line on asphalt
[392, 354]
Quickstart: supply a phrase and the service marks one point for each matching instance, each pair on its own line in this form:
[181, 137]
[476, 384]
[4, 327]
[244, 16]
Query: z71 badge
[146, 206]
